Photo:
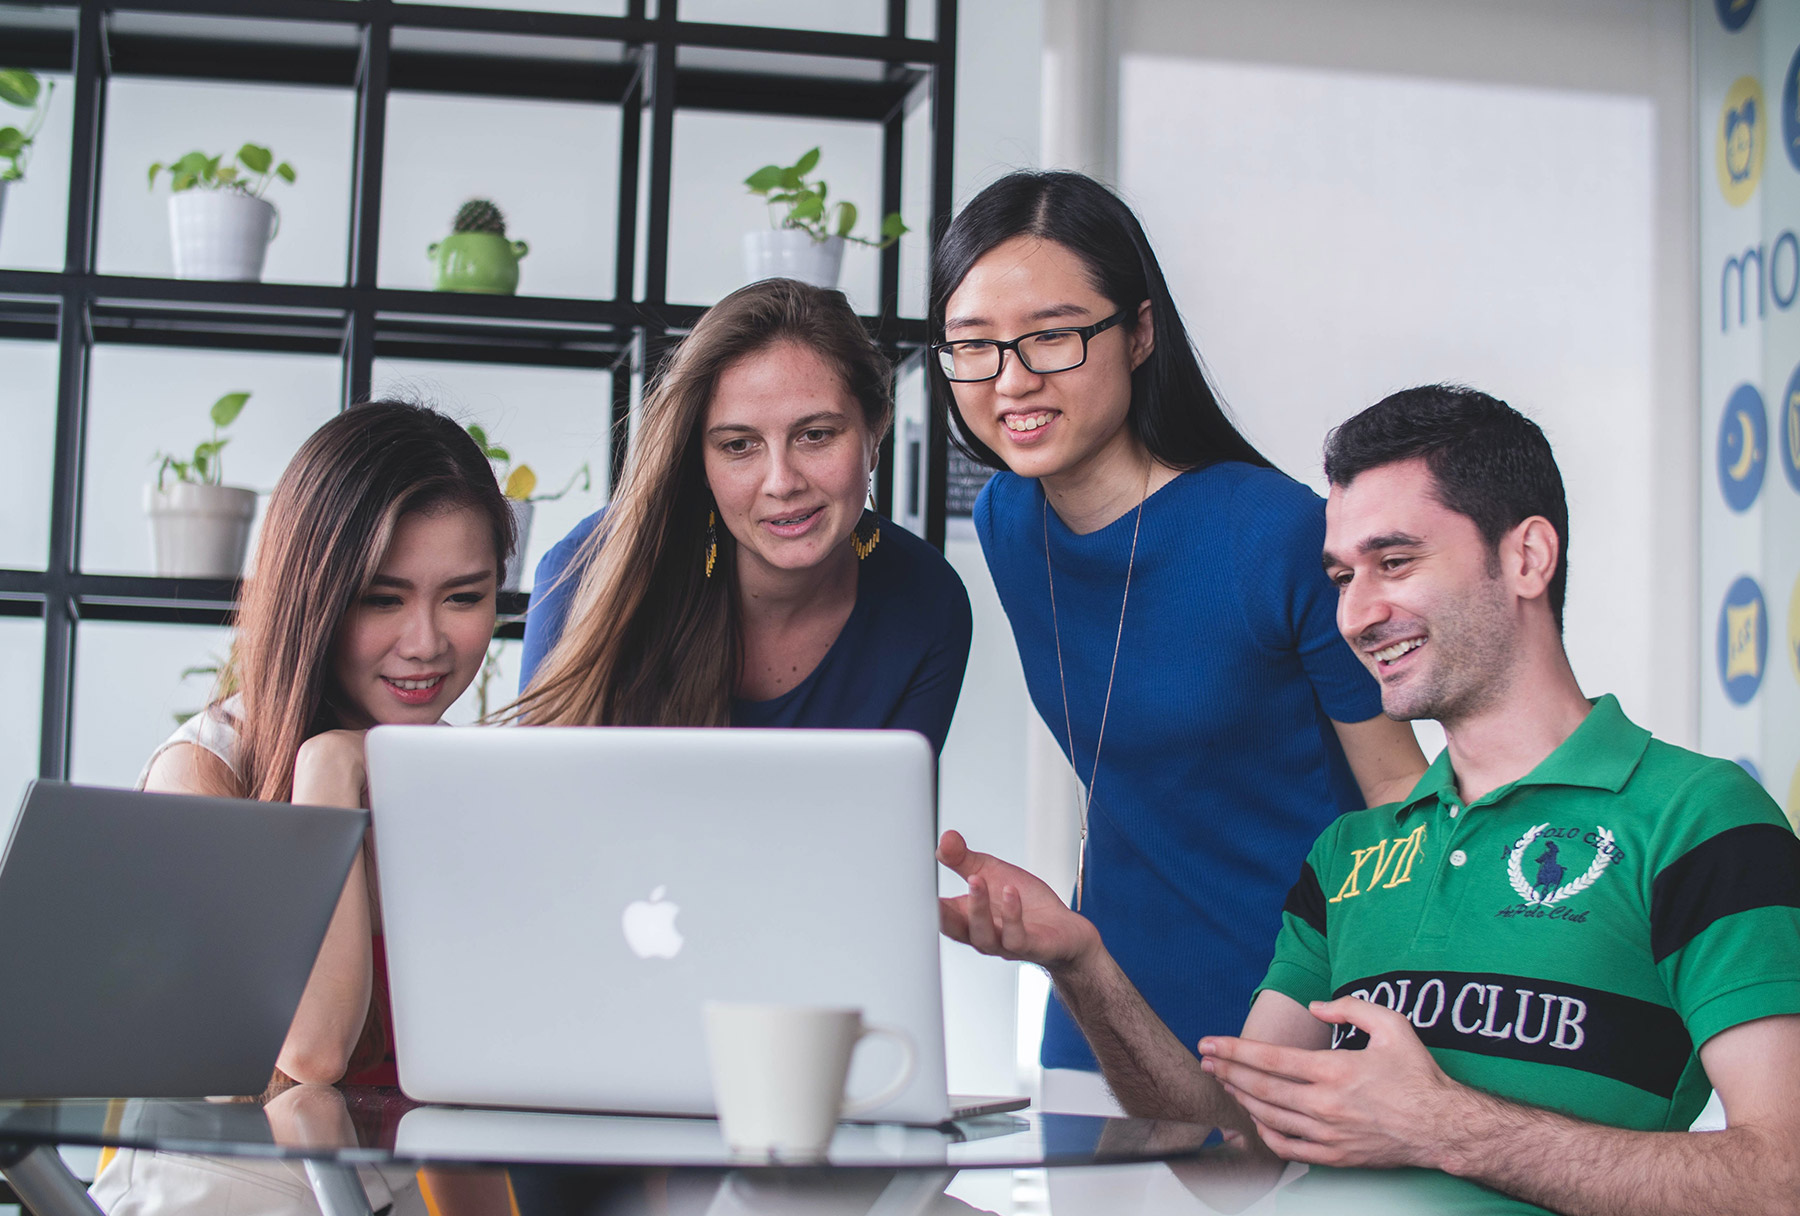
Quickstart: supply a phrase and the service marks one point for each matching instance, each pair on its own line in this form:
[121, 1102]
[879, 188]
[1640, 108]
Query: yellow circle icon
[1740, 140]
[1793, 636]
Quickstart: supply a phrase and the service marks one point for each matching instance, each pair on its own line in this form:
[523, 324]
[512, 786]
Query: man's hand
[1010, 912]
[1381, 1106]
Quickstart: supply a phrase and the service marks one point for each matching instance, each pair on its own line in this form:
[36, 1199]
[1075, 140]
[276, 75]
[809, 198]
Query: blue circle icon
[1733, 13]
[1743, 447]
[1790, 111]
[1787, 434]
[1749, 766]
[1743, 640]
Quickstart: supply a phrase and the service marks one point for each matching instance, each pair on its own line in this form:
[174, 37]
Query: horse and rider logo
[1546, 887]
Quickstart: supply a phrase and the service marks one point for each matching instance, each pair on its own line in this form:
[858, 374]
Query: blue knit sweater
[1220, 765]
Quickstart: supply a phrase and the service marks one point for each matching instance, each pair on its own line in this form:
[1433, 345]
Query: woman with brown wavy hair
[737, 578]
[371, 601]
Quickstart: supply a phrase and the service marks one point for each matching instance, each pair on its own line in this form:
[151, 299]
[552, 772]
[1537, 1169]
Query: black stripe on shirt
[1520, 1017]
[1755, 865]
[1306, 899]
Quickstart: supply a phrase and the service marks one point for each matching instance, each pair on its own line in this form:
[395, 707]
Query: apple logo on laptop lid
[650, 926]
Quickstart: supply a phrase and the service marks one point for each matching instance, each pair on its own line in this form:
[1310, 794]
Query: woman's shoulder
[214, 731]
[558, 557]
[910, 576]
[1265, 502]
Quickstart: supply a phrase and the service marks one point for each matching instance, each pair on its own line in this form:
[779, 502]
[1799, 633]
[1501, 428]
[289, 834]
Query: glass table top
[373, 1126]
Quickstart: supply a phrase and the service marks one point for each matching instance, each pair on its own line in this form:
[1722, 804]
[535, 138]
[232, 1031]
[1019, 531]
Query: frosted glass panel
[28, 420]
[551, 418]
[143, 400]
[34, 211]
[130, 693]
[21, 702]
[838, 16]
[552, 168]
[160, 120]
[710, 210]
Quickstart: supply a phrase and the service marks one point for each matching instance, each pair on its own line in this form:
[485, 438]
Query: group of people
[1549, 944]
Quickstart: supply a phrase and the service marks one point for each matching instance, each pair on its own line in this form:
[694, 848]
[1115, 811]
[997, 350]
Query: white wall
[1353, 196]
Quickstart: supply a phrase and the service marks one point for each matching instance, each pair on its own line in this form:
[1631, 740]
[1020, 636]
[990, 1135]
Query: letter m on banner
[1389, 859]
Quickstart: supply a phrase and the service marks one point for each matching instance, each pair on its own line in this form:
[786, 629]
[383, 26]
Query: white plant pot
[220, 234]
[199, 531]
[515, 565]
[791, 253]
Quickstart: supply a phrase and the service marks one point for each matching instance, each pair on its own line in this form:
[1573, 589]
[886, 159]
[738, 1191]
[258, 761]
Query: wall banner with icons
[1747, 72]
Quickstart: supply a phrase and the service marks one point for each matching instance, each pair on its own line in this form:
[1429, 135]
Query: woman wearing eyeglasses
[1163, 583]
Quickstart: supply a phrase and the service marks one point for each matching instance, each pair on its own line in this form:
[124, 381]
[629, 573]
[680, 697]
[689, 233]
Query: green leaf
[255, 158]
[12, 141]
[285, 172]
[200, 463]
[196, 164]
[790, 179]
[893, 227]
[182, 181]
[227, 175]
[226, 409]
[764, 179]
[206, 451]
[846, 213]
[810, 207]
[18, 87]
[500, 454]
[479, 436]
[154, 170]
[807, 163]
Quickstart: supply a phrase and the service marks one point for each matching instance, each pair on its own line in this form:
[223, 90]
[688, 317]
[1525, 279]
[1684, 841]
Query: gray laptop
[558, 903]
[156, 945]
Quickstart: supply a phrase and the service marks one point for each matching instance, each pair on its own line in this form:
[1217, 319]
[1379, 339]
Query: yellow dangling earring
[862, 544]
[712, 542]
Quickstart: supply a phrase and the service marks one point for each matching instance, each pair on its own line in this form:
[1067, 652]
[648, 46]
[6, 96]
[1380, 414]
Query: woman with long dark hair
[737, 578]
[1164, 586]
[371, 601]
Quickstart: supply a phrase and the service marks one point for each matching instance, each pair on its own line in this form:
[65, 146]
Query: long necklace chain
[1086, 800]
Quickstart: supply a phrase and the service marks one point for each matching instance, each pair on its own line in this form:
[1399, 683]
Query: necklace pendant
[1081, 867]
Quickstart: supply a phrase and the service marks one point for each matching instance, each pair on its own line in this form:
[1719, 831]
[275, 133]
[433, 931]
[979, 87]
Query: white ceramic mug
[778, 1075]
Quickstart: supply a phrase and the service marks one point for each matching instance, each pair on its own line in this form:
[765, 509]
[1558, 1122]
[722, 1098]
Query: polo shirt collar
[1602, 753]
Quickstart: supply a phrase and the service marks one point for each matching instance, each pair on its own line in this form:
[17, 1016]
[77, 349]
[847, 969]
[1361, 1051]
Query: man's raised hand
[1010, 912]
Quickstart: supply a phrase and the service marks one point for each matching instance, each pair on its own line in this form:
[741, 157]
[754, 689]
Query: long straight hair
[650, 640]
[327, 529]
[1174, 410]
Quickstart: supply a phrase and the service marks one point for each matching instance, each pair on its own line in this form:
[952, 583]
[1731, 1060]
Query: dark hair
[328, 526]
[1488, 462]
[650, 639]
[1174, 410]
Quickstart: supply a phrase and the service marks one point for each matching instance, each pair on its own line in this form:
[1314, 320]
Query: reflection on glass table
[599, 1163]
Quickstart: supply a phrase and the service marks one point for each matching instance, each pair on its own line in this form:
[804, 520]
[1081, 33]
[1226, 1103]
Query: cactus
[479, 215]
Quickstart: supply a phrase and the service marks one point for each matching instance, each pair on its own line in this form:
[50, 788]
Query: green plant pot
[478, 261]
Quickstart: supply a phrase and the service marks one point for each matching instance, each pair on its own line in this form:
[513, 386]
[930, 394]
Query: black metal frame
[355, 45]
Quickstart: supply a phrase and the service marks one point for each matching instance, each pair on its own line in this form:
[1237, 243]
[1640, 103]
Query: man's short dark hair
[1488, 462]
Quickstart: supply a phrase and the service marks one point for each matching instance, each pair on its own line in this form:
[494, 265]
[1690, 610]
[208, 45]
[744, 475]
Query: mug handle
[520, 249]
[276, 230]
[892, 1091]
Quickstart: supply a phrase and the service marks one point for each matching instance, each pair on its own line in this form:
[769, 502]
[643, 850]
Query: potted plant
[199, 527]
[518, 484]
[476, 256]
[806, 236]
[24, 90]
[220, 225]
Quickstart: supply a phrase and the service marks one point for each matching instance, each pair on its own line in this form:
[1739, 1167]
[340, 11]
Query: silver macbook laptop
[558, 902]
[157, 944]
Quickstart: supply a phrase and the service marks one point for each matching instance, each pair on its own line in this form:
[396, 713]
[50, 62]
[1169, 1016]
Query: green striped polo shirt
[1568, 940]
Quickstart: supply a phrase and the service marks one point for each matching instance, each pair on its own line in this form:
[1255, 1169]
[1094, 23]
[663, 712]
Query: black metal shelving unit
[648, 62]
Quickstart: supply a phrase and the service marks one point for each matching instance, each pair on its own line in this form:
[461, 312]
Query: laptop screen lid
[559, 902]
[158, 944]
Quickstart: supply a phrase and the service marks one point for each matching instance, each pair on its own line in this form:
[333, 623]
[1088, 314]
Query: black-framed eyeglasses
[971, 360]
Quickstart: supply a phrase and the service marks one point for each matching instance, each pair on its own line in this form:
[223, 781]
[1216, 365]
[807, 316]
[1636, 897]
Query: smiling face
[1046, 425]
[787, 454]
[407, 649]
[1420, 597]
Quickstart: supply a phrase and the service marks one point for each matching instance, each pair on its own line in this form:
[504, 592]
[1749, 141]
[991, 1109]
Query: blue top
[897, 664]
[1220, 765]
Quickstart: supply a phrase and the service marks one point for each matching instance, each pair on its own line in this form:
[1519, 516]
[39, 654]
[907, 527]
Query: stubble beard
[1471, 664]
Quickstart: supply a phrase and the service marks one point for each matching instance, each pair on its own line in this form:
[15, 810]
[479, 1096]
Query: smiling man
[1545, 955]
